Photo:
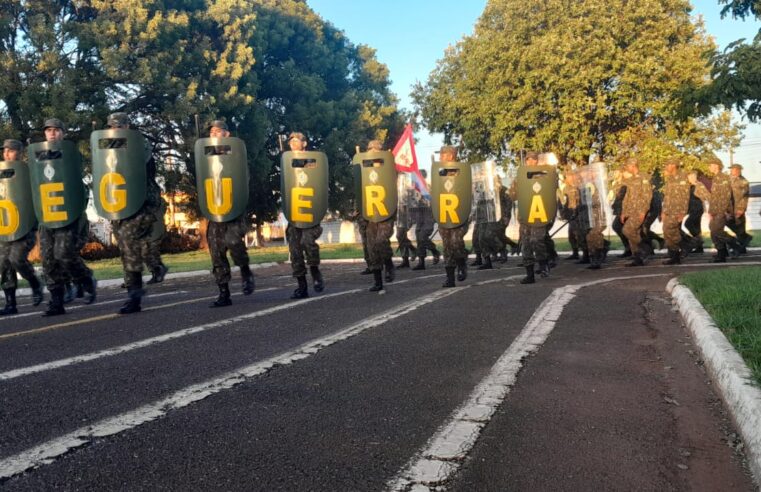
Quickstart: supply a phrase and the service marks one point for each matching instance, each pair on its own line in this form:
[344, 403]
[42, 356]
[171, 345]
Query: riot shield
[304, 187]
[537, 194]
[379, 193]
[16, 207]
[594, 193]
[486, 200]
[119, 173]
[221, 177]
[408, 198]
[451, 193]
[55, 173]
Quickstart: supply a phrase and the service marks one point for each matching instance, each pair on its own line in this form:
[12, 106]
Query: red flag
[404, 152]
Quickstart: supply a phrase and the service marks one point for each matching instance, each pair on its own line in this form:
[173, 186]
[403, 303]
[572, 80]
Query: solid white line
[728, 370]
[441, 457]
[47, 452]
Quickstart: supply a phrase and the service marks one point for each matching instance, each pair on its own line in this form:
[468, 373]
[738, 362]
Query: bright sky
[410, 36]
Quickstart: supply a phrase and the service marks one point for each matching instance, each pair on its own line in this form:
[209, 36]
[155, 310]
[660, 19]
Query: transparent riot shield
[593, 187]
[408, 200]
[486, 200]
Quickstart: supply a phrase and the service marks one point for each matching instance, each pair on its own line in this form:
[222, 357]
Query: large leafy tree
[554, 75]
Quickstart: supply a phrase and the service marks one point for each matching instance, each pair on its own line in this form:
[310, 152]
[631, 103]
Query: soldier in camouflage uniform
[567, 209]
[455, 254]
[490, 232]
[639, 194]
[720, 209]
[151, 250]
[424, 224]
[676, 200]
[228, 236]
[14, 254]
[695, 211]
[379, 241]
[616, 207]
[60, 247]
[132, 231]
[302, 243]
[740, 195]
[406, 248]
[362, 226]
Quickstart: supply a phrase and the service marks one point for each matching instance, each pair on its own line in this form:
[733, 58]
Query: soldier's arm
[741, 197]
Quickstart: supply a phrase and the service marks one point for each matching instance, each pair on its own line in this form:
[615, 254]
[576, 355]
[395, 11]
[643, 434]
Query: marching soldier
[676, 201]
[720, 209]
[487, 201]
[379, 206]
[223, 193]
[506, 207]
[593, 212]
[618, 201]
[408, 201]
[17, 238]
[740, 195]
[59, 202]
[362, 226]
[639, 194]
[569, 203]
[451, 196]
[152, 248]
[304, 186]
[424, 224]
[124, 172]
[695, 211]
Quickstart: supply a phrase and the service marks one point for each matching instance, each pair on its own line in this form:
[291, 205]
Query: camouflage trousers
[151, 251]
[454, 244]
[406, 248]
[721, 239]
[131, 234]
[672, 232]
[14, 258]
[579, 234]
[533, 244]
[594, 242]
[424, 243]
[490, 237]
[302, 244]
[476, 241]
[61, 260]
[632, 230]
[362, 226]
[223, 237]
[379, 243]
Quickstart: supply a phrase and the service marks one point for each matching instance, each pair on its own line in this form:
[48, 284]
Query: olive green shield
[537, 194]
[379, 194]
[451, 193]
[16, 207]
[304, 186]
[55, 173]
[222, 178]
[118, 172]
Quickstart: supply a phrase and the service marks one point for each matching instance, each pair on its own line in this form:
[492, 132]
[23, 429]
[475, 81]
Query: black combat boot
[158, 274]
[378, 285]
[735, 249]
[248, 280]
[405, 262]
[10, 302]
[90, 287]
[605, 249]
[674, 258]
[55, 304]
[487, 265]
[420, 264]
[318, 283]
[450, 277]
[36, 286]
[223, 299]
[69, 292]
[301, 291]
[135, 293]
[721, 255]
[529, 278]
[637, 261]
[574, 255]
[544, 269]
[366, 271]
[626, 254]
[390, 274]
[478, 261]
[502, 255]
[462, 269]
[584, 258]
[436, 256]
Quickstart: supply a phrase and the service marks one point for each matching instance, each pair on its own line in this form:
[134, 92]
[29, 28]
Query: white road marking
[441, 457]
[47, 452]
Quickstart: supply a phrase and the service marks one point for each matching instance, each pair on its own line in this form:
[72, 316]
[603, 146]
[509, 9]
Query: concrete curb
[727, 369]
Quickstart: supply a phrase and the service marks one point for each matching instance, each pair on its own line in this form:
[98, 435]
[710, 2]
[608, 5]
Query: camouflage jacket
[572, 197]
[740, 193]
[676, 195]
[720, 201]
[639, 194]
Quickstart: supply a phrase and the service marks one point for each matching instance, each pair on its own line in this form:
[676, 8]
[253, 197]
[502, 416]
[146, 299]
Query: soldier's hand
[739, 214]
[624, 218]
[642, 217]
[661, 217]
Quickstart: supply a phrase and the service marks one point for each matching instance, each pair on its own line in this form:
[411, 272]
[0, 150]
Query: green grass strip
[732, 297]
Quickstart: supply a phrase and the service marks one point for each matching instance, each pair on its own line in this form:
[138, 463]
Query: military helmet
[736, 166]
[53, 123]
[532, 155]
[374, 145]
[221, 124]
[11, 144]
[118, 120]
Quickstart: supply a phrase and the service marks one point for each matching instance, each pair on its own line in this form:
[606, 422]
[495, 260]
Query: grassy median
[732, 297]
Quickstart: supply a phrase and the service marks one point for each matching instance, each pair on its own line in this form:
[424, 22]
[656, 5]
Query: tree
[564, 76]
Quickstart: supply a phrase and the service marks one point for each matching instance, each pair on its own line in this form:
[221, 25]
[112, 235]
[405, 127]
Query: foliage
[555, 76]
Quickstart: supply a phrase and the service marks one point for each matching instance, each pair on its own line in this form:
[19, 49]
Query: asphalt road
[583, 381]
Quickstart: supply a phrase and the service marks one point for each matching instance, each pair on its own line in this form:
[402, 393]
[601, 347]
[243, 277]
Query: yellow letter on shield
[448, 204]
[219, 205]
[49, 201]
[374, 196]
[299, 203]
[537, 211]
[112, 199]
[10, 210]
